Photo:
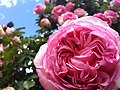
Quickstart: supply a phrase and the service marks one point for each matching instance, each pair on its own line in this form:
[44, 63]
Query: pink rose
[9, 30]
[69, 6]
[66, 16]
[104, 18]
[84, 54]
[80, 12]
[1, 48]
[45, 22]
[57, 11]
[1, 30]
[112, 15]
[39, 9]
[47, 2]
[16, 39]
[115, 4]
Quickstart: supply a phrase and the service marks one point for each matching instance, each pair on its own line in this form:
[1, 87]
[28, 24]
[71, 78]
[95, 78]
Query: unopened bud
[45, 23]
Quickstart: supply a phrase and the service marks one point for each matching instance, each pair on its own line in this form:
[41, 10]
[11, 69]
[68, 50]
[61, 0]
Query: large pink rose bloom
[67, 16]
[104, 18]
[84, 54]
[112, 15]
[57, 11]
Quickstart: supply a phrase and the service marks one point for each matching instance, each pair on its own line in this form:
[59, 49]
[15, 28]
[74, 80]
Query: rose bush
[84, 54]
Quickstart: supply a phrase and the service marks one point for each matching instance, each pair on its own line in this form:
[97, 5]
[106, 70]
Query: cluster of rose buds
[7, 31]
[108, 16]
[4, 30]
[61, 13]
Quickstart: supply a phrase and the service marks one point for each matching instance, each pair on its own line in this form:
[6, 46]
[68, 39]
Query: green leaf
[20, 85]
[33, 76]
[28, 84]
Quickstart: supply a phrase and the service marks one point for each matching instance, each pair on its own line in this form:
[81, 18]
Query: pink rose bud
[1, 30]
[1, 48]
[57, 11]
[80, 12]
[16, 39]
[9, 30]
[67, 16]
[45, 23]
[39, 9]
[69, 7]
[46, 2]
[112, 15]
[104, 18]
[9, 88]
[115, 4]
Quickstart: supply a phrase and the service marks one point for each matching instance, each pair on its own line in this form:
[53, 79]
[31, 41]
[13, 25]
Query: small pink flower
[47, 2]
[1, 30]
[39, 9]
[57, 11]
[69, 7]
[84, 54]
[16, 39]
[45, 22]
[104, 18]
[66, 16]
[115, 4]
[9, 30]
[112, 15]
[80, 12]
[1, 48]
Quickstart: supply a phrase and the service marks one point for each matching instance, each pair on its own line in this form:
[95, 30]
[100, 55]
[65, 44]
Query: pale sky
[20, 12]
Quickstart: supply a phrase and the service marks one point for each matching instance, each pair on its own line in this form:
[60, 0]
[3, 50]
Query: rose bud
[57, 11]
[46, 2]
[84, 54]
[9, 30]
[80, 12]
[1, 30]
[45, 23]
[16, 39]
[104, 18]
[39, 9]
[9, 88]
[67, 16]
[112, 15]
[115, 4]
[69, 7]
[1, 48]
